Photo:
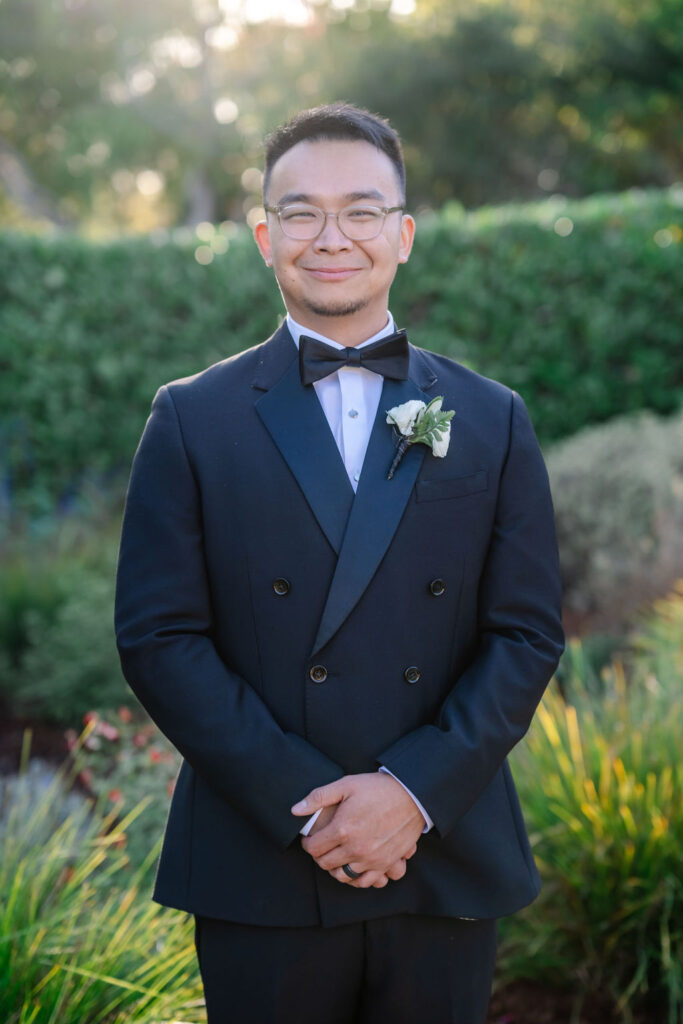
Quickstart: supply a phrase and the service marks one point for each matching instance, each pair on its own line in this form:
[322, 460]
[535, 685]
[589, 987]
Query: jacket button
[437, 587]
[318, 673]
[281, 585]
[411, 674]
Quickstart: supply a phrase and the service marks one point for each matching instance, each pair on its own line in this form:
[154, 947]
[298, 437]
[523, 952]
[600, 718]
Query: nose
[332, 238]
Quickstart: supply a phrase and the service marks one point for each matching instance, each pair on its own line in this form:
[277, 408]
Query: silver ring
[350, 872]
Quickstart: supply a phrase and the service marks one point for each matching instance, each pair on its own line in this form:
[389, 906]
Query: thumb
[321, 796]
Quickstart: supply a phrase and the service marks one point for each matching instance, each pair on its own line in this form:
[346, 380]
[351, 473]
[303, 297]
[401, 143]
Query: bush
[585, 325]
[126, 760]
[601, 783]
[80, 939]
[618, 494]
[61, 656]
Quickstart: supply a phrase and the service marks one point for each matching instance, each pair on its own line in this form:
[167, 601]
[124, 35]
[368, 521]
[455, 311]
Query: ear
[406, 239]
[262, 239]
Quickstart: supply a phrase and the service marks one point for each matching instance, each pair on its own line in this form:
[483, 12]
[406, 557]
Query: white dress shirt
[349, 398]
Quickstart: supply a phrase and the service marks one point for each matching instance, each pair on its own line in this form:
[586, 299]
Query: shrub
[618, 494]
[601, 783]
[71, 660]
[126, 759]
[80, 939]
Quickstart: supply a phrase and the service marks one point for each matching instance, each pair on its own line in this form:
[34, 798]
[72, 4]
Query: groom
[344, 660]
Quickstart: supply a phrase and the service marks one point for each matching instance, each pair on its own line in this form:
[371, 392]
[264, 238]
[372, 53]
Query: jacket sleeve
[448, 763]
[164, 626]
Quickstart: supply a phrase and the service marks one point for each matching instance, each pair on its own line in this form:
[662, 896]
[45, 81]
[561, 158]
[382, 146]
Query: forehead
[331, 170]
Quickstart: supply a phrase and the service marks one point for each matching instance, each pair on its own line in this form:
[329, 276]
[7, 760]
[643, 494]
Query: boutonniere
[418, 423]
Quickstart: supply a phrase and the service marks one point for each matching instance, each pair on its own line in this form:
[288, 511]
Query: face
[331, 283]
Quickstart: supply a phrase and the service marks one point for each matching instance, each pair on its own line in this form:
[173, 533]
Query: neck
[350, 330]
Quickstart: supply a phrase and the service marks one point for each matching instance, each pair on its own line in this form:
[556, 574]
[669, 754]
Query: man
[332, 648]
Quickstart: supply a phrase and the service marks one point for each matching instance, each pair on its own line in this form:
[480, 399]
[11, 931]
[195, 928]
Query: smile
[332, 273]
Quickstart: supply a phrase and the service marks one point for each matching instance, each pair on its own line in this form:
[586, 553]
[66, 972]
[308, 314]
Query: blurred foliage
[126, 760]
[124, 116]
[618, 495]
[80, 939]
[575, 304]
[57, 650]
[601, 784]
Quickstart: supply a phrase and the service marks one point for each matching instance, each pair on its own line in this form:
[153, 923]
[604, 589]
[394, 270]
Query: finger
[322, 796]
[366, 880]
[397, 870]
[331, 841]
[411, 852]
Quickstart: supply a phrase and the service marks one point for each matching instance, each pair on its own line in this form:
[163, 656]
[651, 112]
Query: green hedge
[584, 325]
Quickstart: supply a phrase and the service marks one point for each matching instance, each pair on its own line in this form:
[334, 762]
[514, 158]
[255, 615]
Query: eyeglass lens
[302, 221]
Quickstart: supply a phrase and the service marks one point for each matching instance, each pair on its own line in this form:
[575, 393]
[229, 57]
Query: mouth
[332, 273]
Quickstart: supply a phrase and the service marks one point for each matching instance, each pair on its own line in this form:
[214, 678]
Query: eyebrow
[350, 197]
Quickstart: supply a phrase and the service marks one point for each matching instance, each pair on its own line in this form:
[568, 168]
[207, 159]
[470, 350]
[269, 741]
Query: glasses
[305, 221]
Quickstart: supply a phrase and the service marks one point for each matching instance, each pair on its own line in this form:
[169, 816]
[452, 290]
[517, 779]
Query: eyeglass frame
[384, 210]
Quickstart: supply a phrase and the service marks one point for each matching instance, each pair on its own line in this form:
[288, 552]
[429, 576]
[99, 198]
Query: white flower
[404, 416]
[421, 424]
[441, 442]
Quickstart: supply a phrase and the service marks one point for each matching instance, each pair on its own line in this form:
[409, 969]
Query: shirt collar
[296, 330]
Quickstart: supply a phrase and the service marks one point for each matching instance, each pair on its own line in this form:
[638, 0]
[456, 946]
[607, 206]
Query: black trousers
[406, 969]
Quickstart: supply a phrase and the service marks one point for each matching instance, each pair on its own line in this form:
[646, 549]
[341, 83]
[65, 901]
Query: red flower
[115, 794]
[124, 713]
[90, 716]
[155, 755]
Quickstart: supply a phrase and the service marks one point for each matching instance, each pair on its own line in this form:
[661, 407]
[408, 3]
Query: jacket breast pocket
[457, 487]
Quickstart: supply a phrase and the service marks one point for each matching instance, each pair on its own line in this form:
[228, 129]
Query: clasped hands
[369, 822]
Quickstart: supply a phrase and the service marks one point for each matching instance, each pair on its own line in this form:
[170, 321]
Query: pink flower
[124, 713]
[110, 732]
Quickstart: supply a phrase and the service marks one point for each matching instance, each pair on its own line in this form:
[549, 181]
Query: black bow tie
[388, 356]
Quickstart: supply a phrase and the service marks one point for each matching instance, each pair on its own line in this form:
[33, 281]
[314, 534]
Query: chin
[336, 309]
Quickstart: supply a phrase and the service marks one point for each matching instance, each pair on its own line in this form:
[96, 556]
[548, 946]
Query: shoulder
[468, 385]
[230, 372]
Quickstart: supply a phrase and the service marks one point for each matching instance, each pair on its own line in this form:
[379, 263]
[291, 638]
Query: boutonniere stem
[418, 423]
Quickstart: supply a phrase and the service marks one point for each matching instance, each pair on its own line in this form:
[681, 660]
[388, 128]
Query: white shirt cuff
[310, 823]
[429, 823]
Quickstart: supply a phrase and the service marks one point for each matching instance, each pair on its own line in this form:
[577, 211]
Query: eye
[299, 214]
[363, 213]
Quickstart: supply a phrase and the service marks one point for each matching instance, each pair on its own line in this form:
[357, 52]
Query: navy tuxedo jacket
[247, 561]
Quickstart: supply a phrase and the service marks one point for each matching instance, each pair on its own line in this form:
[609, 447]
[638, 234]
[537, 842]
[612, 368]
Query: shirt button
[353, 413]
[411, 674]
[437, 587]
[318, 673]
[356, 477]
[281, 586]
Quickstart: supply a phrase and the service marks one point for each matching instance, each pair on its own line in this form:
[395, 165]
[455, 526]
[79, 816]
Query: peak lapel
[376, 511]
[293, 416]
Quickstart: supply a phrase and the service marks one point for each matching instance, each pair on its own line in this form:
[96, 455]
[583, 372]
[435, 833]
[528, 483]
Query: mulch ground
[529, 1003]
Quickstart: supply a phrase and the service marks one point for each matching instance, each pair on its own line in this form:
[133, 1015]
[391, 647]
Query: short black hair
[335, 121]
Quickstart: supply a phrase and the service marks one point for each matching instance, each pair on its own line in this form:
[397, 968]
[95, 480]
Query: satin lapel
[375, 513]
[295, 420]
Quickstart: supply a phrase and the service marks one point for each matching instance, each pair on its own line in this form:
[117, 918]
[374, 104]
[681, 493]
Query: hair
[335, 121]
